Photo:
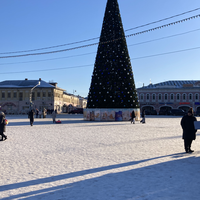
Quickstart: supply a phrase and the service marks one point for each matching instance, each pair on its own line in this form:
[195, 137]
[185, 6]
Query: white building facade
[17, 96]
[170, 95]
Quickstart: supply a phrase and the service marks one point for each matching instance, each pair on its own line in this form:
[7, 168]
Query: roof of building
[173, 84]
[25, 84]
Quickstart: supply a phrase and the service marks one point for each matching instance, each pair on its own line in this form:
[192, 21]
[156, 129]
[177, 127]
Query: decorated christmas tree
[112, 84]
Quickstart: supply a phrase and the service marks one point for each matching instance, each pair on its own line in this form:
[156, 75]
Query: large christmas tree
[112, 84]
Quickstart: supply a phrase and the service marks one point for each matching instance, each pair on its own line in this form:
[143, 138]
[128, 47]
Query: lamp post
[73, 96]
[31, 103]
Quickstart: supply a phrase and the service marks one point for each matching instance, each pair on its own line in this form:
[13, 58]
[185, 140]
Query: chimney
[40, 79]
[53, 83]
[26, 79]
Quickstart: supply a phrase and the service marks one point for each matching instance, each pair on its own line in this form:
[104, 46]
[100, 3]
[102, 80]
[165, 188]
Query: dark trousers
[187, 144]
[31, 122]
[2, 135]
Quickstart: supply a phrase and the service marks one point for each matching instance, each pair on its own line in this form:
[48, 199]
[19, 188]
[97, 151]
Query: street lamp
[73, 96]
[31, 103]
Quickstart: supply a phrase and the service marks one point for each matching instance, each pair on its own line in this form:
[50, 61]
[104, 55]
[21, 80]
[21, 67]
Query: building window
[184, 96]
[38, 94]
[49, 94]
[190, 96]
[196, 96]
[9, 95]
[147, 96]
[178, 96]
[3, 95]
[154, 97]
[160, 96]
[15, 95]
[20, 96]
[166, 96]
[141, 96]
[44, 94]
[172, 96]
[33, 96]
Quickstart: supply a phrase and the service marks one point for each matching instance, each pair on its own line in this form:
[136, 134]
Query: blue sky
[33, 24]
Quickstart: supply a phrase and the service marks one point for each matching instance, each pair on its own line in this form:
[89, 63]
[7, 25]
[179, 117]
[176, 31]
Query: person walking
[31, 116]
[2, 126]
[189, 131]
[53, 116]
[37, 113]
[40, 113]
[133, 117]
[44, 113]
[143, 117]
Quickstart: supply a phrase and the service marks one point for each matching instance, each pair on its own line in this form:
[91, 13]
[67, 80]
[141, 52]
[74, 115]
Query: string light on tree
[112, 77]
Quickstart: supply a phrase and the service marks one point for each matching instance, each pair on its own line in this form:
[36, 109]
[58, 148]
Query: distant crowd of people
[40, 114]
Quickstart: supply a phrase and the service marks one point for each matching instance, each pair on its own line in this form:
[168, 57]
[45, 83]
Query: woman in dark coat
[133, 117]
[31, 117]
[2, 126]
[189, 131]
[143, 117]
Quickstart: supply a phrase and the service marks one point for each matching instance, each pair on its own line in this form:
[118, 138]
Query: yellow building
[16, 97]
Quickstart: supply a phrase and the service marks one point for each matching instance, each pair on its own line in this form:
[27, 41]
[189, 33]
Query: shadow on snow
[160, 180]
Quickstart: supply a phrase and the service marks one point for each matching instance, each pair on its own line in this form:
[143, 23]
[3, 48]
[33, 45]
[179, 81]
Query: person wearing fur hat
[2, 126]
[189, 131]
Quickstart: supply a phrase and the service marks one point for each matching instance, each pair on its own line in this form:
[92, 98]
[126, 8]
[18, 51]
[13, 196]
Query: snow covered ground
[81, 160]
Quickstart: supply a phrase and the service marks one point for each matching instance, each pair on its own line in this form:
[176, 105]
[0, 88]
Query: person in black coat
[133, 117]
[2, 126]
[189, 131]
[143, 117]
[31, 116]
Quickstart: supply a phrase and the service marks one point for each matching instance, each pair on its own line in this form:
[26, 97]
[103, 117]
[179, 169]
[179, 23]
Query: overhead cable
[56, 46]
[82, 66]
[106, 42]
[72, 56]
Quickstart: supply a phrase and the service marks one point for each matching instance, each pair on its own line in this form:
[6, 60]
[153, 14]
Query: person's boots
[4, 136]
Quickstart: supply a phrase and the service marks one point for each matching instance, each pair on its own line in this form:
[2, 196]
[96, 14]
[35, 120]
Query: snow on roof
[170, 84]
[24, 84]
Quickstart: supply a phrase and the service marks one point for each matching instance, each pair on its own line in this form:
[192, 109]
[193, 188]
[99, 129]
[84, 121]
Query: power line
[87, 40]
[163, 19]
[88, 45]
[64, 57]
[82, 66]
[161, 54]
[95, 52]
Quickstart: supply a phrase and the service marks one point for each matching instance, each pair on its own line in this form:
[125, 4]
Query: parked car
[76, 111]
[150, 112]
[177, 112]
[163, 112]
[153, 112]
[147, 112]
[197, 113]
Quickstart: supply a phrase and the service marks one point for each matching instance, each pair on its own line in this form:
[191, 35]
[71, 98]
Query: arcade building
[169, 95]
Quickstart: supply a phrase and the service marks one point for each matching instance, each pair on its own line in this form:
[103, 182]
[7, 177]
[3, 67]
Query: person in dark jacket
[44, 113]
[31, 116]
[143, 117]
[133, 117]
[189, 131]
[2, 126]
[37, 113]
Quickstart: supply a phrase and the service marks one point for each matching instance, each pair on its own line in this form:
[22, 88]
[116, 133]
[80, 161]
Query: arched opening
[197, 113]
[185, 108]
[164, 110]
[149, 110]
